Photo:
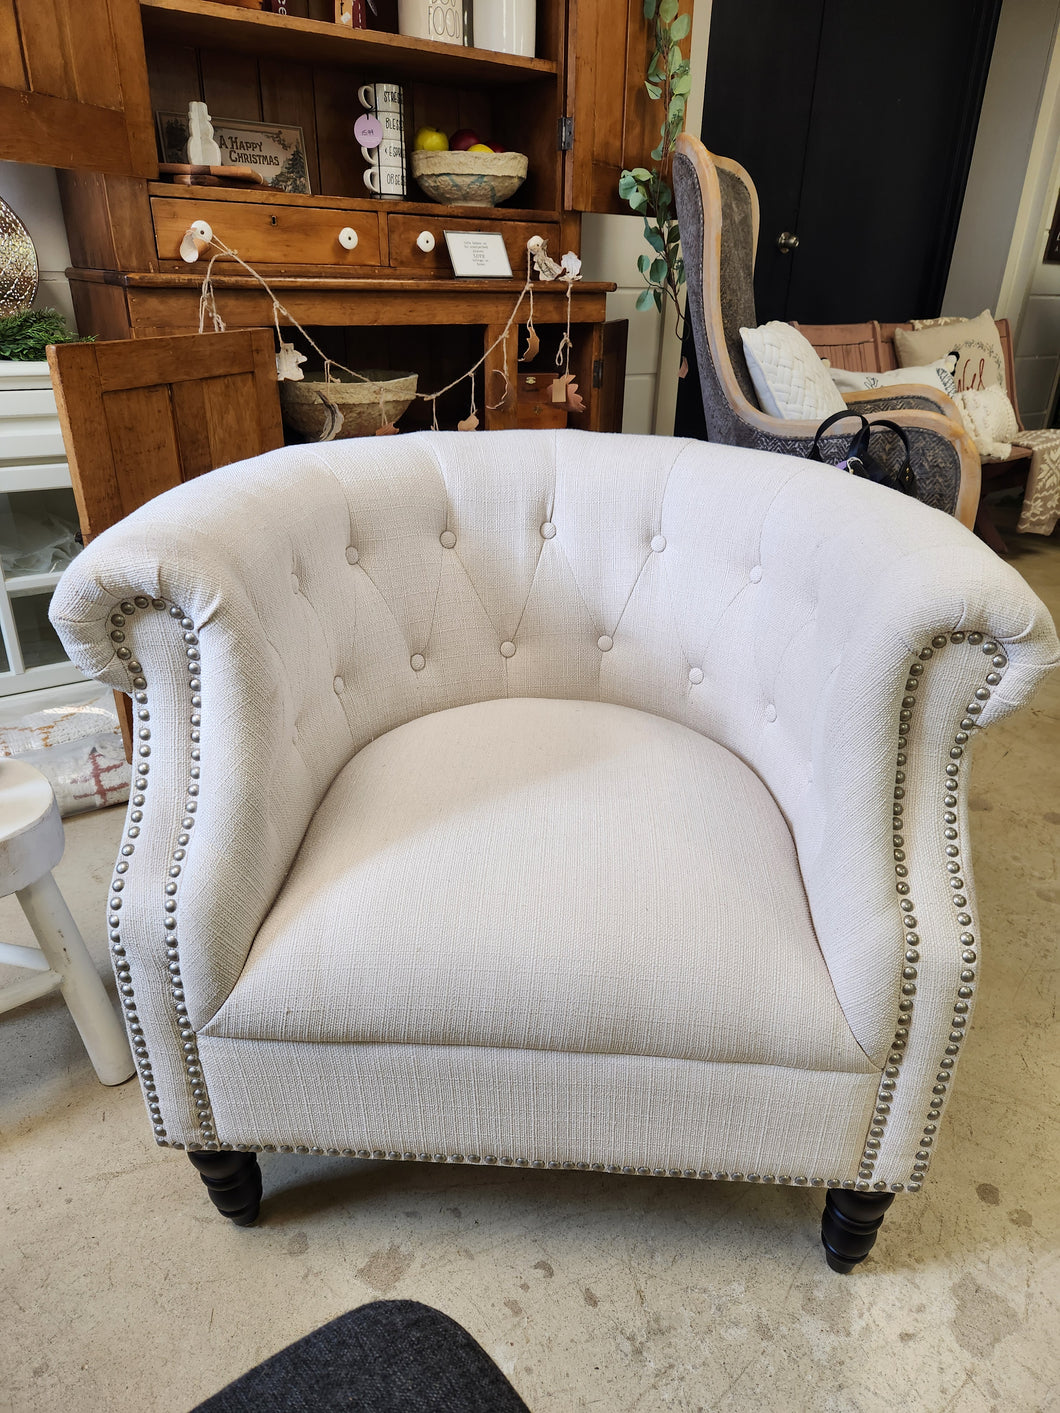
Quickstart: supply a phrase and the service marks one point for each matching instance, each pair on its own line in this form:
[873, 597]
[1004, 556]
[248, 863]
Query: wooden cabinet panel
[616, 125]
[139, 418]
[271, 234]
[405, 254]
[73, 86]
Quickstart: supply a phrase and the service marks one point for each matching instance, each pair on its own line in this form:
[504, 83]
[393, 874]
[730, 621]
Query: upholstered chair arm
[210, 605]
[915, 397]
[936, 439]
[891, 639]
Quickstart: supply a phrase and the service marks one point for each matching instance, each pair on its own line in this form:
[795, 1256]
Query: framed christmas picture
[275, 150]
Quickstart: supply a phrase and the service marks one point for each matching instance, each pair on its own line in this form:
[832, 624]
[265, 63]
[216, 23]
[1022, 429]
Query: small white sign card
[478, 255]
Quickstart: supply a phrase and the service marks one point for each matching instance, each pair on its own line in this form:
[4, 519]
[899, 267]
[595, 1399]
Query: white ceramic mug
[389, 153]
[440, 20]
[509, 26]
[381, 97]
[385, 177]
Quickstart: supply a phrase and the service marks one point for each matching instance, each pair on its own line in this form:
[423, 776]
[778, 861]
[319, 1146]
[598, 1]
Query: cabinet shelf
[203, 22]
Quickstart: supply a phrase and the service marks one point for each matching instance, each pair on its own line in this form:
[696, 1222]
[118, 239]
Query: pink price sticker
[368, 130]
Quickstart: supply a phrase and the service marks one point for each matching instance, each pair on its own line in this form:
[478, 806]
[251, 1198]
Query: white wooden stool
[31, 844]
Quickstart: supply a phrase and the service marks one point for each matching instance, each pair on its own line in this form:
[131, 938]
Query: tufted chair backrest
[339, 591]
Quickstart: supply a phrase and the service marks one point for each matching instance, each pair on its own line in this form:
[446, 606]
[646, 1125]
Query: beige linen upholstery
[753, 665]
[505, 874]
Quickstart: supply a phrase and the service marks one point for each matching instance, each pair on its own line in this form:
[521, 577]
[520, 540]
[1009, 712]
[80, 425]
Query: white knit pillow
[990, 418]
[789, 377]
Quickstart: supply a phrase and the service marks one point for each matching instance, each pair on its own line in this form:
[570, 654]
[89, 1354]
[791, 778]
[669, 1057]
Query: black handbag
[860, 458]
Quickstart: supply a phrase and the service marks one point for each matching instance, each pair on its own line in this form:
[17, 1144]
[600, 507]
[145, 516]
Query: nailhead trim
[189, 1044]
[950, 784]
[377, 1155]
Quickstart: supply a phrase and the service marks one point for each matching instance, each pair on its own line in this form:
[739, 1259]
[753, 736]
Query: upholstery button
[771, 712]
[352, 555]
[338, 684]
[755, 574]
[507, 649]
[447, 538]
[604, 643]
[417, 662]
[548, 530]
[696, 676]
[295, 585]
[659, 544]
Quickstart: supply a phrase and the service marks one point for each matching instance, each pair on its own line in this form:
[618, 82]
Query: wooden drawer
[268, 234]
[405, 254]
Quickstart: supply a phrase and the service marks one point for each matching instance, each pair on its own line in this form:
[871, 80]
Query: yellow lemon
[480, 147]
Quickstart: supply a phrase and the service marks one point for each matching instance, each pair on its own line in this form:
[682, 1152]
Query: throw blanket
[990, 419]
[1041, 504]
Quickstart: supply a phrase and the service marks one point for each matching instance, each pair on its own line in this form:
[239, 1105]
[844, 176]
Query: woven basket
[310, 405]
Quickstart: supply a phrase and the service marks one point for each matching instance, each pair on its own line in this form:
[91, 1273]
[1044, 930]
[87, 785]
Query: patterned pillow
[980, 359]
[933, 375]
[789, 377]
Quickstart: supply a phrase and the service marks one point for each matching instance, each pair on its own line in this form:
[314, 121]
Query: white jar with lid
[509, 26]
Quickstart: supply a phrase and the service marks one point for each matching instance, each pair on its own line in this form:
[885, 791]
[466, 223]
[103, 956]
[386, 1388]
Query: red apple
[462, 140]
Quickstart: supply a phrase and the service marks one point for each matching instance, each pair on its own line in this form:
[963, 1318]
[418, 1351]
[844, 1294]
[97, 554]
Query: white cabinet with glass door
[38, 530]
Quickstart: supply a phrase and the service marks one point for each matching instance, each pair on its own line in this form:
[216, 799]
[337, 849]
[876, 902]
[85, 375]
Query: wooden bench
[869, 348]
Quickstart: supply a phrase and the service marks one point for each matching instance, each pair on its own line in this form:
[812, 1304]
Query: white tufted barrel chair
[554, 800]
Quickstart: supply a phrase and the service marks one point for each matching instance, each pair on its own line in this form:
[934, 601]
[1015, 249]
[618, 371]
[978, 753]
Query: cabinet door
[73, 86]
[616, 124]
[141, 416]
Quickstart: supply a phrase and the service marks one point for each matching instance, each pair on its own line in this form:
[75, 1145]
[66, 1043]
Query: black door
[856, 123]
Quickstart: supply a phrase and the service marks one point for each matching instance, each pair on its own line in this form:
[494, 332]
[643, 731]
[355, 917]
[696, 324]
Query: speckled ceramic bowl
[469, 178]
[364, 406]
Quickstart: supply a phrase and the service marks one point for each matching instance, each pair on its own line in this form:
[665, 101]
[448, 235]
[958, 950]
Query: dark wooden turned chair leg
[849, 1225]
[233, 1181]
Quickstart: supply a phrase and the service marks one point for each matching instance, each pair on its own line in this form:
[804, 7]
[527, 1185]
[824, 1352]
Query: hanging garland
[288, 358]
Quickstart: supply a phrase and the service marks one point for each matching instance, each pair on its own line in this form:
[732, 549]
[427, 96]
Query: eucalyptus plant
[648, 191]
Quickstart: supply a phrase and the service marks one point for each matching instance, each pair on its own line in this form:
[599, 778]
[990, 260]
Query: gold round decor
[18, 264]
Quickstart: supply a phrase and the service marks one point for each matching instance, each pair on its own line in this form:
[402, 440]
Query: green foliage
[24, 337]
[668, 82]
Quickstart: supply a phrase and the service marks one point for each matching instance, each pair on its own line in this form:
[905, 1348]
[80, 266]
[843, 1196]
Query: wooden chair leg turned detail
[849, 1225]
[233, 1181]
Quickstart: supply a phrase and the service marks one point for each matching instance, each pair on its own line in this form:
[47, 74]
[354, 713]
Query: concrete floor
[122, 1290]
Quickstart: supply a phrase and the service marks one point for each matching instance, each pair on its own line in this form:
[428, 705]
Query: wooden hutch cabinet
[79, 86]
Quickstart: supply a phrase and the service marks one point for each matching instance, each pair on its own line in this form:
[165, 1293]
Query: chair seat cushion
[553, 875]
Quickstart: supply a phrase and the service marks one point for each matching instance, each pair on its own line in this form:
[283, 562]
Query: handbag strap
[815, 454]
[905, 479]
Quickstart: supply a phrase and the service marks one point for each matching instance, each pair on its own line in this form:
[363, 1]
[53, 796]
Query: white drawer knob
[348, 238]
[425, 241]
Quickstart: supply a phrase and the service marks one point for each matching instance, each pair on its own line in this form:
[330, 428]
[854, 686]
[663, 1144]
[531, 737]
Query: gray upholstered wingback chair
[553, 800]
[718, 209]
